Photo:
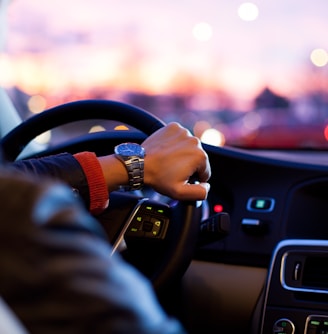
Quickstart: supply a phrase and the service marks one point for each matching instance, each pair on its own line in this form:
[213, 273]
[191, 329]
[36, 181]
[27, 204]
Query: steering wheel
[160, 235]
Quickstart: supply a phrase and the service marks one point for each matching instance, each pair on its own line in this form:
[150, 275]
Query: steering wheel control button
[150, 223]
[156, 226]
[316, 324]
[260, 204]
[135, 228]
[283, 326]
[147, 226]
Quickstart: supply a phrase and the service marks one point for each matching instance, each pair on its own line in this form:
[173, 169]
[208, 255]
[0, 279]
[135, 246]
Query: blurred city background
[251, 74]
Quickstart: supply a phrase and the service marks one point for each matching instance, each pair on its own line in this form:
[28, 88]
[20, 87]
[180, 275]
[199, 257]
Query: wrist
[115, 173]
[149, 170]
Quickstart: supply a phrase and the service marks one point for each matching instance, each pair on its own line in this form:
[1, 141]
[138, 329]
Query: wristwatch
[132, 155]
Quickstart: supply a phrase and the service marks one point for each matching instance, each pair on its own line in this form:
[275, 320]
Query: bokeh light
[326, 132]
[319, 57]
[202, 31]
[36, 104]
[248, 11]
[121, 127]
[200, 127]
[97, 128]
[213, 137]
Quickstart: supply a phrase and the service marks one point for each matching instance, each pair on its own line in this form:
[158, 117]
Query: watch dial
[130, 149]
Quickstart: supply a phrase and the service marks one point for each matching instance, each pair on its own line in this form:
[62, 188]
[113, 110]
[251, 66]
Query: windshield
[235, 73]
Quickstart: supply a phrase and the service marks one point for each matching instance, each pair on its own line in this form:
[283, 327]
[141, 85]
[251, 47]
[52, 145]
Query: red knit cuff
[96, 181]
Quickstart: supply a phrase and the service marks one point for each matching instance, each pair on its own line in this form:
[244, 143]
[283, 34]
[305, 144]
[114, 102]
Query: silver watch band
[135, 168]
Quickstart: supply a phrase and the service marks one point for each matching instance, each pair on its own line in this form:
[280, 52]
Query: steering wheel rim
[16, 140]
[185, 215]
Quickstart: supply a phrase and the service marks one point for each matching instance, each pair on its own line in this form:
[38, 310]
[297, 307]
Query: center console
[296, 293]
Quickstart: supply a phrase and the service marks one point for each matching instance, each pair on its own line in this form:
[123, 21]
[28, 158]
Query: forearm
[63, 167]
[93, 178]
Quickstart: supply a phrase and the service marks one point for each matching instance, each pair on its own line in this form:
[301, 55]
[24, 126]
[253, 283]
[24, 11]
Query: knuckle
[194, 140]
[174, 126]
[201, 154]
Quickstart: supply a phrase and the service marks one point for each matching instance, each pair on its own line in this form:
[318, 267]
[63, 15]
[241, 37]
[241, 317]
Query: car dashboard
[268, 275]
[268, 199]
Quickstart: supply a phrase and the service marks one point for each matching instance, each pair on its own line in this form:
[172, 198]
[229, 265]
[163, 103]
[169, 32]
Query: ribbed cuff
[96, 181]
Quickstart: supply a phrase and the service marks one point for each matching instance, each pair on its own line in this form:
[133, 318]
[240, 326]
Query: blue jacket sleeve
[57, 274]
[63, 167]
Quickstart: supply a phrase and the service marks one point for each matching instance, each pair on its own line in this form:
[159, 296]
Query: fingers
[192, 191]
[204, 169]
[173, 155]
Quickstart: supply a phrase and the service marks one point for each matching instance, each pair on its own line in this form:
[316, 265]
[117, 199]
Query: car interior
[252, 257]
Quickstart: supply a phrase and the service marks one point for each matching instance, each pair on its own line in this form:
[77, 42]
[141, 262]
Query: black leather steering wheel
[162, 260]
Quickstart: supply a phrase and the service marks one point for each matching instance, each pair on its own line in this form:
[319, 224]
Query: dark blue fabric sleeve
[57, 274]
[63, 167]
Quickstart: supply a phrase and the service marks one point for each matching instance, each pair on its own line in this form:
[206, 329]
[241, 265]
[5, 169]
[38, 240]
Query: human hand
[173, 155]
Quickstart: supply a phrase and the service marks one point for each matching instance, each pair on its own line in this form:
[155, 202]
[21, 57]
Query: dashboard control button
[251, 222]
[260, 204]
[316, 324]
[283, 326]
[254, 226]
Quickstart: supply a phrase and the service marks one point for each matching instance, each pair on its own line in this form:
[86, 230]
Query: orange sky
[148, 46]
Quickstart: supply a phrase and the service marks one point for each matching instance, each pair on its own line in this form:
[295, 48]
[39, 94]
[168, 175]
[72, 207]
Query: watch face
[130, 149]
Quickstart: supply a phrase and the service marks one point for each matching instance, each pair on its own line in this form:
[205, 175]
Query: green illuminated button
[263, 204]
[260, 204]
[157, 223]
[135, 230]
[137, 222]
[283, 326]
[316, 324]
